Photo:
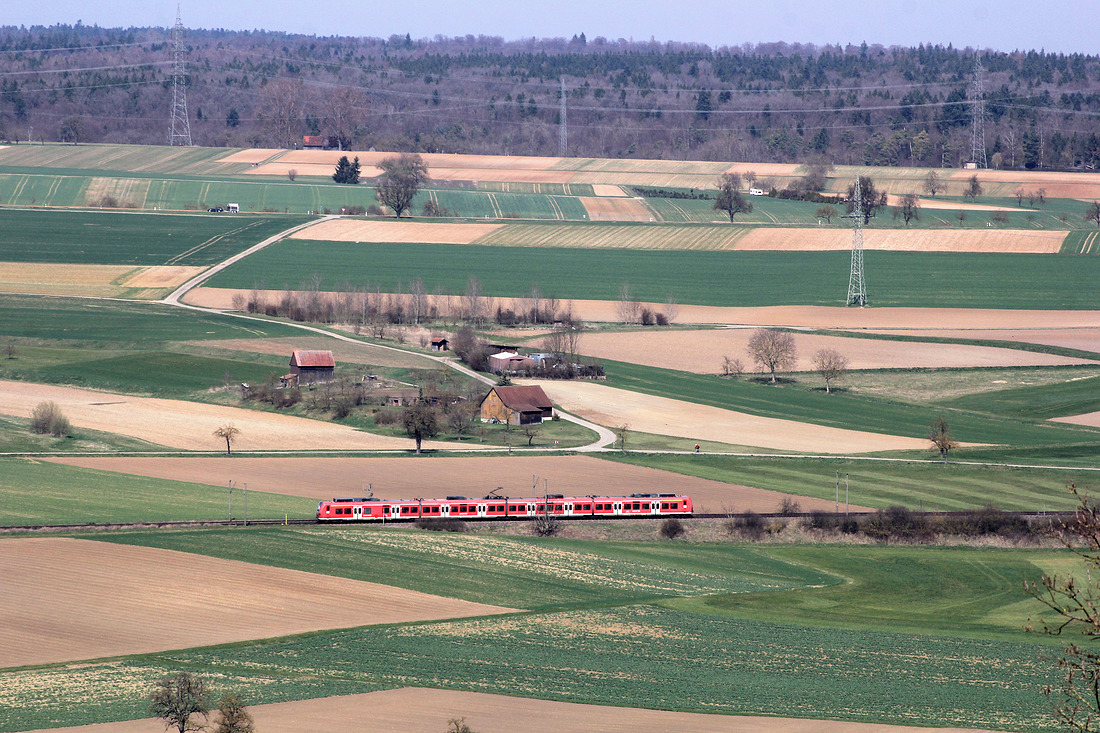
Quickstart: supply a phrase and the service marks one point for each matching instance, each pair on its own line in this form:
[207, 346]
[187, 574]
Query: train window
[646, 505]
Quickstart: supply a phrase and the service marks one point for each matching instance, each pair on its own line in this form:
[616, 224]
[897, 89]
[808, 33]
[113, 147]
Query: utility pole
[977, 127]
[179, 129]
[563, 127]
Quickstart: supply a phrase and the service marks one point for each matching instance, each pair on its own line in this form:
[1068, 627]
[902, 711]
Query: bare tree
[530, 431]
[1076, 606]
[47, 419]
[1092, 213]
[404, 175]
[871, 199]
[230, 433]
[564, 341]
[628, 308]
[622, 432]
[418, 296]
[345, 109]
[908, 209]
[831, 365]
[826, 212]
[177, 698]
[233, 717]
[973, 188]
[474, 301]
[10, 349]
[773, 350]
[729, 198]
[420, 421]
[941, 438]
[932, 183]
[282, 109]
[732, 367]
[672, 309]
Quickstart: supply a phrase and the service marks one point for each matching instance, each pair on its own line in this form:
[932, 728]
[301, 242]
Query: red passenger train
[372, 509]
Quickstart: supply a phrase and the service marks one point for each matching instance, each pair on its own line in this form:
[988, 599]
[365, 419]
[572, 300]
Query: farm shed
[516, 405]
[440, 344]
[313, 142]
[509, 361]
[312, 366]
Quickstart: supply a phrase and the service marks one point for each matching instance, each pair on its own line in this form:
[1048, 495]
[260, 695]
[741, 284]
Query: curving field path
[415, 709]
[68, 599]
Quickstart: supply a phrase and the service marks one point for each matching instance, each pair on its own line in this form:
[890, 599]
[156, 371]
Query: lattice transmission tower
[977, 108]
[179, 128]
[857, 288]
[563, 127]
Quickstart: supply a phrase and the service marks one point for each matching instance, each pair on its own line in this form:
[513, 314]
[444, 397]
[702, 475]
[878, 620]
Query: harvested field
[416, 709]
[902, 240]
[765, 169]
[68, 599]
[612, 236]
[1089, 419]
[603, 189]
[357, 230]
[190, 425]
[895, 200]
[107, 281]
[396, 478]
[252, 155]
[702, 352]
[650, 414]
[440, 166]
[616, 209]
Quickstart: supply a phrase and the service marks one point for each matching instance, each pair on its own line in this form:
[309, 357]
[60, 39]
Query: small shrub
[776, 526]
[353, 210]
[546, 526]
[672, 528]
[750, 524]
[47, 419]
[374, 210]
[823, 521]
[107, 201]
[292, 174]
[387, 416]
[789, 507]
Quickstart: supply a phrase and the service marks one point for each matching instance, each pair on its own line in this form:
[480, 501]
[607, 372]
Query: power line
[179, 128]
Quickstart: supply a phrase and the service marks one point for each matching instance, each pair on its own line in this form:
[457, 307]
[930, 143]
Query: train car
[373, 509]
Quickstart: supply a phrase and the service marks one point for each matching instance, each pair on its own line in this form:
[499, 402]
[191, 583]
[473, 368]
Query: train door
[568, 510]
[530, 510]
[444, 510]
[481, 509]
[357, 512]
[618, 506]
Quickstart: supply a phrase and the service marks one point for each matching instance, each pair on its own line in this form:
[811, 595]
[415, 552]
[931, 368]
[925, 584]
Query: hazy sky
[1003, 25]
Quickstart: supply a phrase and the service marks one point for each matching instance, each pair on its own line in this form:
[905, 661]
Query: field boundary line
[557, 209]
[213, 240]
[496, 205]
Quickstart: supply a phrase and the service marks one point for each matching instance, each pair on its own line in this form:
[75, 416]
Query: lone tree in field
[729, 198]
[871, 199]
[831, 365]
[826, 212]
[1076, 697]
[1092, 213]
[47, 419]
[230, 433]
[940, 435]
[346, 172]
[404, 175]
[973, 188]
[420, 422]
[773, 350]
[932, 183]
[908, 209]
[177, 698]
[233, 717]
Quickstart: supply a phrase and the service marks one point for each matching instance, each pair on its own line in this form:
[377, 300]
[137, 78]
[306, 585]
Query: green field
[919, 485]
[909, 279]
[914, 636]
[39, 492]
[118, 238]
[116, 322]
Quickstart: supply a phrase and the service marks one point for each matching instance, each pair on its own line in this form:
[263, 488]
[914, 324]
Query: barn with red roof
[516, 405]
[311, 366]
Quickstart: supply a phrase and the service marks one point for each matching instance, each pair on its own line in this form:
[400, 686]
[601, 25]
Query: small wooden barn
[440, 344]
[509, 361]
[516, 405]
[312, 366]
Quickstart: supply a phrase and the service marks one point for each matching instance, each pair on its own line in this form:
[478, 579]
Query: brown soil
[397, 478]
[898, 240]
[190, 425]
[253, 155]
[1086, 339]
[69, 599]
[894, 199]
[703, 352]
[661, 416]
[616, 209]
[415, 709]
[358, 230]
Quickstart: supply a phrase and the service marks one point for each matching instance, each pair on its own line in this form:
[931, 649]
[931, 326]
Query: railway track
[1035, 516]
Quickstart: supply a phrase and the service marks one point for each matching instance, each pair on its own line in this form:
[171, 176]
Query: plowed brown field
[905, 240]
[703, 352]
[414, 709]
[189, 425]
[396, 478]
[661, 416]
[68, 599]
